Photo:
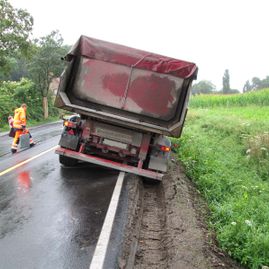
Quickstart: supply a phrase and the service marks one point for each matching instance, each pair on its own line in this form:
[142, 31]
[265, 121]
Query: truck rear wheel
[150, 181]
[67, 161]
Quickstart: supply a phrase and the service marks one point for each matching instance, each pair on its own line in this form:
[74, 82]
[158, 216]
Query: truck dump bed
[126, 86]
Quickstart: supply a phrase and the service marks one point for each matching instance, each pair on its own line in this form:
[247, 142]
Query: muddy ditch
[167, 227]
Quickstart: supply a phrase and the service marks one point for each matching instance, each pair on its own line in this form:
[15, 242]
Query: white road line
[103, 241]
[26, 161]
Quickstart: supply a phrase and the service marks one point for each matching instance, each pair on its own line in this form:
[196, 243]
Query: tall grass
[259, 98]
[225, 149]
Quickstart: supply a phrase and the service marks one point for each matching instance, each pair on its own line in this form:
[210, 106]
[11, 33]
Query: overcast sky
[215, 34]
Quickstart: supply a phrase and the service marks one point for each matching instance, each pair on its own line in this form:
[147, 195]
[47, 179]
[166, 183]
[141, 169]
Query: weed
[225, 151]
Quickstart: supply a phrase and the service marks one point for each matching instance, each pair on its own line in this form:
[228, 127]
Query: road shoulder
[169, 221]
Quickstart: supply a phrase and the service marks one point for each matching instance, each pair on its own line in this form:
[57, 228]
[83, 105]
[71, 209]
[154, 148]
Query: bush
[13, 94]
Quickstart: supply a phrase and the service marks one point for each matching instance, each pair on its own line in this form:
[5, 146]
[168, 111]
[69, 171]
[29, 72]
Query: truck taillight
[165, 148]
[69, 124]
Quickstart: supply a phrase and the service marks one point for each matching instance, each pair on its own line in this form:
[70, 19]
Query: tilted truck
[127, 101]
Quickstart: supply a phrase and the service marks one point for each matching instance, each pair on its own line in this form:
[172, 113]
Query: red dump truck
[126, 102]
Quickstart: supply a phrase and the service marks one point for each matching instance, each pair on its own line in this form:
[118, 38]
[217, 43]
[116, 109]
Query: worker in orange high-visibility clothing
[19, 124]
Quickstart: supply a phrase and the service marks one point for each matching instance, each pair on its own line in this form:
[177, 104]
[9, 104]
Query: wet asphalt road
[50, 216]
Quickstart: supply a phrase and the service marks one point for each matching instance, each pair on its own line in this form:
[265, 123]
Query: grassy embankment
[225, 149]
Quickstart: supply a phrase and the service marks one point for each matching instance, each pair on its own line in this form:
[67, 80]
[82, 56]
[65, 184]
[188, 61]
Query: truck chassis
[114, 147]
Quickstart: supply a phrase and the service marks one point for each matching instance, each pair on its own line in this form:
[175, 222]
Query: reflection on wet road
[51, 216]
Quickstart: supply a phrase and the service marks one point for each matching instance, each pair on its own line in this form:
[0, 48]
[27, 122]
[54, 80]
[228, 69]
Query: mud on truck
[126, 101]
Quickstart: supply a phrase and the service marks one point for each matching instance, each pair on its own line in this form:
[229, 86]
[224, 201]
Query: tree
[226, 82]
[203, 86]
[15, 29]
[13, 94]
[46, 64]
[256, 83]
[17, 69]
[265, 82]
[247, 87]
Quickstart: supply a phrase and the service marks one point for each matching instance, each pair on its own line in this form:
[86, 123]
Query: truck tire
[67, 161]
[150, 181]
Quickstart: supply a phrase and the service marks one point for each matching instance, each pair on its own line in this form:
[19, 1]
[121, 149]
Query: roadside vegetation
[13, 94]
[28, 65]
[224, 147]
[225, 150]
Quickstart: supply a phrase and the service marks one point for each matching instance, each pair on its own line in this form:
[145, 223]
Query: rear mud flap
[69, 141]
[108, 163]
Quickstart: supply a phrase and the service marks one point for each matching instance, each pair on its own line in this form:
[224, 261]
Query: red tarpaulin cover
[114, 53]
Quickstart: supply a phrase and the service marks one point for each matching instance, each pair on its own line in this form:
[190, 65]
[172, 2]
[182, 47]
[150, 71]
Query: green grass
[226, 153]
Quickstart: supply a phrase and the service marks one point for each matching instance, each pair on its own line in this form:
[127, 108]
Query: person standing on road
[19, 124]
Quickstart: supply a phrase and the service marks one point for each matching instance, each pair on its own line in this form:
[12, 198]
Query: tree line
[256, 84]
[207, 87]
[31, 62]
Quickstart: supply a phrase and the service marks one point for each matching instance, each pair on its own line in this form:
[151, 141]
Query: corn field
[258, 98]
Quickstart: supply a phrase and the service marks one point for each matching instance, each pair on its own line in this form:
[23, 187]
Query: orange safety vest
[19, 118]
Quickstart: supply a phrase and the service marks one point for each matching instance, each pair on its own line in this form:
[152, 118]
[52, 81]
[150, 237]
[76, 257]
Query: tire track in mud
[151, 251]
[167, 227]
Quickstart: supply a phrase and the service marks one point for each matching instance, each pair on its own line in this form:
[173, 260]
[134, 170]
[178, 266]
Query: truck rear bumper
[109, 163]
